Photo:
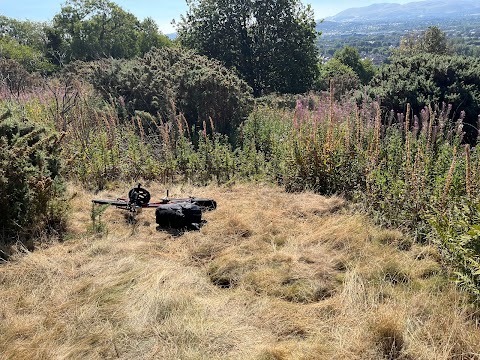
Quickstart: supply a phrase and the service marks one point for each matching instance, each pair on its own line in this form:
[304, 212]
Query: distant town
[375, 40]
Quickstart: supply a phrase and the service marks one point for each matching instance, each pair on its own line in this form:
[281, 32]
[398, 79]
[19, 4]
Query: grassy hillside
[271, 276]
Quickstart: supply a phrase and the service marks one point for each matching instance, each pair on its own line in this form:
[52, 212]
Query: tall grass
[411, 172]
[404, 169]
[398, 165]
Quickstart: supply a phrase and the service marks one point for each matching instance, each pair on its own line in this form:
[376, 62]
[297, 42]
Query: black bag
[179, 215]
[205, 204]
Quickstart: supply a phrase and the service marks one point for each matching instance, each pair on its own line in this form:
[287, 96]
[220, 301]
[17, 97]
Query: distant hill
[430, 9]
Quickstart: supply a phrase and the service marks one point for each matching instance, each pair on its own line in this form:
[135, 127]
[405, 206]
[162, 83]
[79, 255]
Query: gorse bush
[168, 82]
[425, 79]
[31, 188]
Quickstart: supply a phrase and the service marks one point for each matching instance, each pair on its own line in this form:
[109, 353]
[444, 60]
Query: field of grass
[271, 275]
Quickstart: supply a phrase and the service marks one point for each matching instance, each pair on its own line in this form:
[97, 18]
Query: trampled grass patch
[271, 275]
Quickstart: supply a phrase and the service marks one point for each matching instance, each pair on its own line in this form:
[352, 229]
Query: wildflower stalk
[328, 142]
[407, 137]
[468, 172]
[378, 129]
[430, 139]
[448, 181]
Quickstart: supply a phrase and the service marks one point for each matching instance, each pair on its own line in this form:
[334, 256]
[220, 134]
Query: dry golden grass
[271, 276]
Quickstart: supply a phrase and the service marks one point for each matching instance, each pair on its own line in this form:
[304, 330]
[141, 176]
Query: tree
[350, 57]
[435, 41]
[342, 77]
[27, 32]
[270, 43]
[31, 59]
[431, 41]
[150, 37]
[94, 29]
[25, 43]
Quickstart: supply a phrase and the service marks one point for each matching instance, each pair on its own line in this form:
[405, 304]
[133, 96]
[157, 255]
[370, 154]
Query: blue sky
[162, 11]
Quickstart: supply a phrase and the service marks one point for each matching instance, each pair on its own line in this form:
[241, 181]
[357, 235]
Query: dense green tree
[341, 77]
[150, 37]
[270, 43]
[435, 41]
[25, 43]
[29, 33]
[350, 57]
[94, 29]
[31, 59]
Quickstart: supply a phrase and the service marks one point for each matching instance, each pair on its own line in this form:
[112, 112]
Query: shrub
[427, 79]
[30, 186]
[14, 76]
[457, 233]
[30, 58]
[169, 81]
[133, 87]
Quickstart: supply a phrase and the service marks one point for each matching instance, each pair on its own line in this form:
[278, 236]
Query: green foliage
[324, 155]
[94, 29]
[426, 79]
[350, 57]
[431, 41]
[368, 70]
[398, 170]
[205, 90]
[265, 141]
[98, 226]
[270, 43]
[105, 154]
[150, 37]
[458, 236]
[30, 186]
[132, 85]
[435, 41]
[28, 33]
[338, 75]
[169, 80]
[31, 59]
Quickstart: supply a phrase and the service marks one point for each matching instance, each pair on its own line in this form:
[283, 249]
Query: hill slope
[271, 276]
[430, 9]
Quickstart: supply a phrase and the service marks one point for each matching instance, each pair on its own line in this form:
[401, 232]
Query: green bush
[169, 81]
[30, 186]
[31, 59]
[425, 79]
[457, 233]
